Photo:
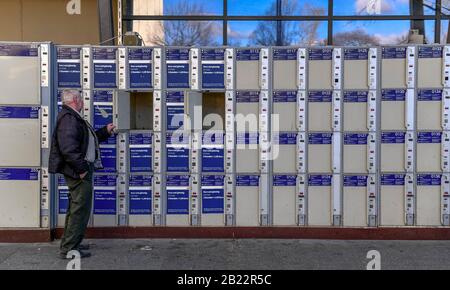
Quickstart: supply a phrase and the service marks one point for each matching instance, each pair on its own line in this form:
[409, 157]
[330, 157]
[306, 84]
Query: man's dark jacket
[70, 143]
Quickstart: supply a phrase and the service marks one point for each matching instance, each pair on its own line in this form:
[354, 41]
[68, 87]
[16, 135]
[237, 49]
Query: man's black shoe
[82, 255]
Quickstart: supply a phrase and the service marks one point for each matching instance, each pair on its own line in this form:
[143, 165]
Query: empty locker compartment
[213, 111]
[177, 68]
[178, 148]
[285, 152]
[248, 69]
[247, 110]
[177, 191]
[213, 68]
[429, 109]
[247, 152]
[393, 109]
[393, 67]
[320, 200]
[355, 201]
[319, 152]
[285, 108]
[68, 65]
[20, 63]
[140, 200]
[356, 68]
[22, 147]
[392, 200]
[429, 151]
[284, 68]
[429, 67]
[320, 69]
[355, 111]
[393, 151]
[105, 200]
[140, 147]
[355, 152]
[247, 200]
[429, 199]
[213, 206]
[133, 110]
[319, 110]
[20, 192]
[105, 67]
[213, 154]
[62, 201]
[140, 68]
[284, 200]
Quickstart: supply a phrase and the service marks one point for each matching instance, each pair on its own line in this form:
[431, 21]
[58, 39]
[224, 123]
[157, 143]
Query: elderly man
[75, 154]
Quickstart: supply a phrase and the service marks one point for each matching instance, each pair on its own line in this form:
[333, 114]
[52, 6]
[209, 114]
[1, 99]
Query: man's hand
[110, 128]
[82, 175]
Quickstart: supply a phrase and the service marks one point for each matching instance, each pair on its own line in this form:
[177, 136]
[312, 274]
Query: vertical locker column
[445, 124]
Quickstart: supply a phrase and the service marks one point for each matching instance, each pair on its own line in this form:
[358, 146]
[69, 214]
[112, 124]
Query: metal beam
[106, 22]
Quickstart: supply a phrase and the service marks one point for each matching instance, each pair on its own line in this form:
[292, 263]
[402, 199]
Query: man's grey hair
[69, 96]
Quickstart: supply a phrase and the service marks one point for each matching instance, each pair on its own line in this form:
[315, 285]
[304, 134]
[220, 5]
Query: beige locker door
[247, 69]
[393, 68]
[285, 75]
[429, 109]
[355, 111]
[105, 201]
[284, 200]
[429, 67]
[285, 154]
[20, 194]
[320, 69]
[247, 200]
[429, 151]
[285, 108]
[355, 201]
[247, 152]
[140, 201]
[428, 200]
[355, 152]
[319, 152]
[319, 111]
[393, 151]
[393, 109]
[247, 110]
[356, 68]
[319, 200]
[392, 200]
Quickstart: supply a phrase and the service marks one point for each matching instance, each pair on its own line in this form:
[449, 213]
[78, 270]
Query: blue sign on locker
[175, 110]
[284, 180]
[10, 112]
[140, 152]
[284, 96]
[63, 195]
[320, 53]
[247, 180]
[105, 68]
[69, 67]
[355, 180]
[393, 52]
[105, 195]
[140, 194]
[213, 76]
[284, 54]
[140, 68]
[19, 174]
[177, 66]
[108, 156]
[319, 96]
[177, 194]
[319, 180]
[212, 194]
[213, 152]
[177, 152]
[18, 50]
[102, 115]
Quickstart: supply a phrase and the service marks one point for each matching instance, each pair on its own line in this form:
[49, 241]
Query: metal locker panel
[284, 68]
[356, 68]
[213, 209]
[177, 192]
[355, 111]
[393, 68]
[319, 110]
[429, 67]
[20, 193]
[247, 110]
[105, 200]
[393, 151]
[140, 200]
[429, 109]
[428, 200]
[319, 200]
[429, 151]
[285, 107]
[62, 201]
[393, 109]
[392, 200]
[20, 65]
[247, 200]
[247, 152]
[285, 156]
[319, 152]
[284, 200]
[355, 201]
[247, 69]
[355, 152]
[22, 146]
[320, 69]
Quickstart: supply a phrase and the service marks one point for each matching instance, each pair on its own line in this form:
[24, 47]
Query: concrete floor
[248, 254]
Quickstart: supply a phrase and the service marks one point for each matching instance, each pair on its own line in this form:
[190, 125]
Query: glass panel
[429, 31]
[177, 7]
[444, 31]
[364, 7]
[180, 33]
[374, 32]
[252, 7]
[304, 7]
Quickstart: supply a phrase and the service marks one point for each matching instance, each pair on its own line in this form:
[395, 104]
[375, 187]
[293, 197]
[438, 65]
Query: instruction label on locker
[212, 194]
[140, 194]
[177, 194]
[105, 67]
[108, 155]
[140, 68]
[213, 152]
[177, 144]
[63, 195]
[429, 109]
[103, 109]
[213, 68]
[175, 110]
[140, 152]
[177, 68]
[105, 194]
[19, 174]
[69, 67]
